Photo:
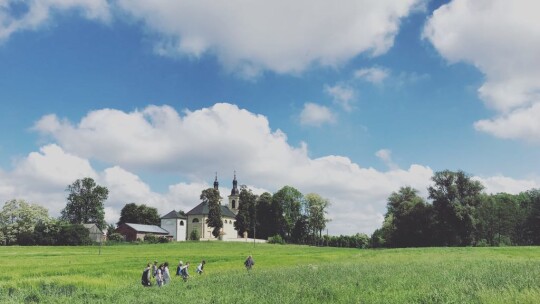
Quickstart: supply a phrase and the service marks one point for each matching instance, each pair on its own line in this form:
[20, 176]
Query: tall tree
[245, 218]
[411, 219]
[532, 222]
[19, 218]
[139, 214]
[290, 201]
[264, 216]
[455, 196]
[211, 197]
[317, 208]
[85, 203]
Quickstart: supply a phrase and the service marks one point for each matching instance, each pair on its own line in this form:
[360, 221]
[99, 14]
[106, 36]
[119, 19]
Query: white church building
[181, 227]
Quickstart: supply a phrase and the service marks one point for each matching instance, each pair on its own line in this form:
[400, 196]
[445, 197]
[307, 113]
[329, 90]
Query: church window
[234, 204]
[195, 220]
[181, 223]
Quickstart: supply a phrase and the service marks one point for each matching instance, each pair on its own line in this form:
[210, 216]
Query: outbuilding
[134, 232]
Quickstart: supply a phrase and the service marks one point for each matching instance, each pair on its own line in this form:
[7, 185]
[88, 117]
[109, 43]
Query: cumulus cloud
[499, 183]
[18, 15]
[316, 115]
[221, 138]
[280, 36]
[501, 39]
[342, 95]
[375, 75]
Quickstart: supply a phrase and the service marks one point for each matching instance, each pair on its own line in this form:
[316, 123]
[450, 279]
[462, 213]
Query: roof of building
[147, 228]
[92, 225]
[174, 215]
[202, 208]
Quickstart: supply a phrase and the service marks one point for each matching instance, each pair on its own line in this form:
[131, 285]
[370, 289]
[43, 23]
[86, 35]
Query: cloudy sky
[350, 100]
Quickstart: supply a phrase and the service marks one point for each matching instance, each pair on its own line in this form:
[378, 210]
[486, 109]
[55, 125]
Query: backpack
[144, 278]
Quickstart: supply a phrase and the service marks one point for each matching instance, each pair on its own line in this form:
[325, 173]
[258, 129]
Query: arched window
[195, 220]
[233, 204]
[181, 223]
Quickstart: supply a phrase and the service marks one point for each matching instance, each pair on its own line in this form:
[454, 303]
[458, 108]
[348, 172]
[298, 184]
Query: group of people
[160, 273]
[162, 276]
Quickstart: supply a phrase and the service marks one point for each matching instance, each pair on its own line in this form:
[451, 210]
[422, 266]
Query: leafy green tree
[85, 203]
[411, 219]
[139, 214]
[316, 207]
[73, 234]
[18, 218]
[110, 230]
[264, 216]
[245, 217]
[498, 219]
[46, 232]
[532, 222]
[300, 232]
[211, 197]
[290, 201]
[455, 196]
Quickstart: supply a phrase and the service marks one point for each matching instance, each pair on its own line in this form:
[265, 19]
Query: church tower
[216, 184]
[234, 198]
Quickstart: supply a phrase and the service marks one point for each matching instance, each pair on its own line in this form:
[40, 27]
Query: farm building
[96, 234]
[176, 224]
[134, 232]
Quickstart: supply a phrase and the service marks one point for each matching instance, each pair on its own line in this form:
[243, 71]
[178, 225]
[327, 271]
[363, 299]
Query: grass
[282, 274]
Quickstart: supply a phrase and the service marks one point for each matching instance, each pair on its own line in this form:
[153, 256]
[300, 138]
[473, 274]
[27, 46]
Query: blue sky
[351, 102]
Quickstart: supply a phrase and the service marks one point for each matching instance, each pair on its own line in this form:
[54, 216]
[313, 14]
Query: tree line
[459, 213]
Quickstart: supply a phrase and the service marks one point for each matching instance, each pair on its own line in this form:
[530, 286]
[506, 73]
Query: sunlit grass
[282, 274]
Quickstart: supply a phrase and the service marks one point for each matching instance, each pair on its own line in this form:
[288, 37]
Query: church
[194, 222]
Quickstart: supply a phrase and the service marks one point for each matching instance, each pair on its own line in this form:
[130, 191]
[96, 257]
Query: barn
[134, 232]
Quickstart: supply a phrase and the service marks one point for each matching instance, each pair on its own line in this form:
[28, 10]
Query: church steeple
[235, 190]
[216, 183]
[234, 198]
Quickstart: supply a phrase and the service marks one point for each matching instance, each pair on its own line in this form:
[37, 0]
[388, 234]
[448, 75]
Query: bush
[73, 235]
[163, 239]
[150, 238]
[276, 239]
[194, 235]
[115, 237]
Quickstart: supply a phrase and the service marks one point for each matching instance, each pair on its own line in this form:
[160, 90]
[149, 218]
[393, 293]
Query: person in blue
[184, 272]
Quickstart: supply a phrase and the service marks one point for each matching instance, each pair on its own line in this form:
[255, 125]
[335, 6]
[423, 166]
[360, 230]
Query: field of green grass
[282, 274]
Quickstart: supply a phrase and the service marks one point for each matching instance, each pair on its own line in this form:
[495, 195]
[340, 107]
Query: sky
[351, 101]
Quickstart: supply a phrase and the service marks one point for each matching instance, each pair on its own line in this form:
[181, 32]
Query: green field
[282, 274]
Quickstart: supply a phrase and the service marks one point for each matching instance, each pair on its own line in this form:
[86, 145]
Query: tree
[290, 201]
[245, 216]
[498, 219]
[455, 196]
[18, 219]
[85, 203]
[139, 214]
[316, 209]
[46, 232]
[532, 222]
[73, 234]
[411, 219]
[264, 216]
[211, 197]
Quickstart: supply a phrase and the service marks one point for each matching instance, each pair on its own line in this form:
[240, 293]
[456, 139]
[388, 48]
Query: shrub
[194, 235]
[150, 238]
[163, 239]
[115, 237]
[276, 239]
[74, 235]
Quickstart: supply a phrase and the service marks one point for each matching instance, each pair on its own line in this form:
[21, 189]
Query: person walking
[179, 268]
[200, 268]
[166, 274]
[249, 263]
[159, 276]
[145, 279]
[184, 272]
[154, 269]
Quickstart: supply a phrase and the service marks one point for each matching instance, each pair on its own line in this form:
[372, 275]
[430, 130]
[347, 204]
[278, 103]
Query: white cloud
[316, 115]
[281, 36]
[386, 156]
[234, 139]
[499, 183]
[342, 95]
[502, 39]
[37, 13]
[375, 75]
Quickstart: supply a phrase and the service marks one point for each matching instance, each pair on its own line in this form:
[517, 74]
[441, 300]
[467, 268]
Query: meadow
[282, 274]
